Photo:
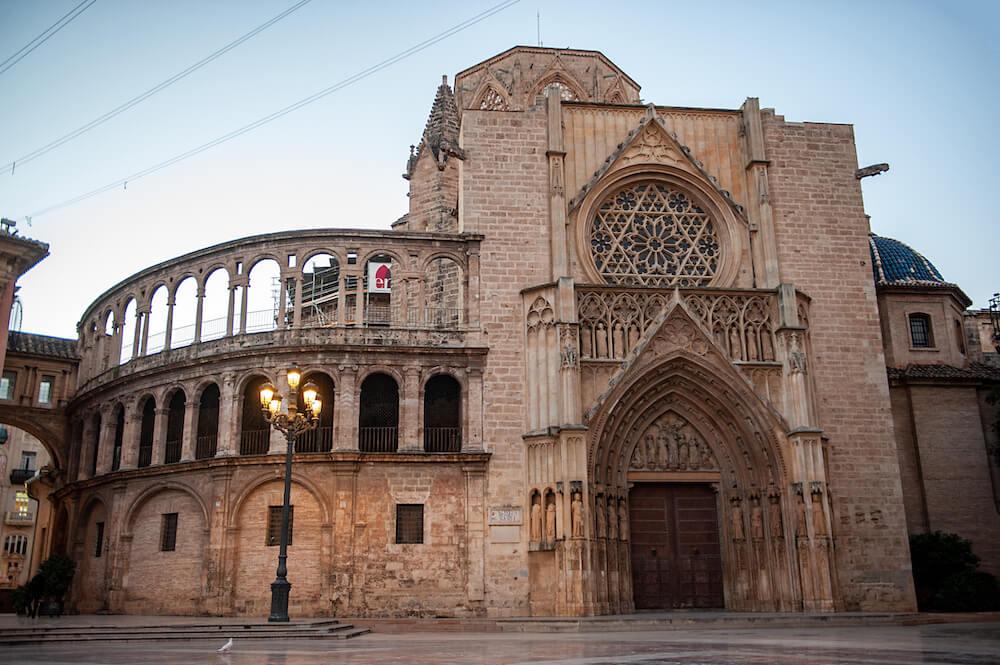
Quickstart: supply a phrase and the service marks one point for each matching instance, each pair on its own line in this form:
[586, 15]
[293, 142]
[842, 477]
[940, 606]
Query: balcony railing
[255, 442]
[206, 446]
[145, 455]
[21, 476]
[442, 439]
[172, 454]
[378, 439]
[19, 517]
[319, 440]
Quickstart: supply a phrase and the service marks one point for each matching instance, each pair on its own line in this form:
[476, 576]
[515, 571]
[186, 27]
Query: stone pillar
[119, 546]
[557, 192]
[475, 531]
[86, 447]
[130, 437]
[168, 334]
[359, 303]
[472, 437]
[344, 529]
[199, 313]
[346, 413]
[107, 440]
[762, 238]
[472, 292]
[159, 434]
[297, 312]
[229, 426]
[217, 592]
[244, 293]
[190, 433]
[282, 300]
[137, 335]
[409, 438]
[341, 299]
[231, 309]
[145, 332]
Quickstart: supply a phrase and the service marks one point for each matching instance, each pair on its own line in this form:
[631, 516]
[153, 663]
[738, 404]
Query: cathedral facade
[616, 356]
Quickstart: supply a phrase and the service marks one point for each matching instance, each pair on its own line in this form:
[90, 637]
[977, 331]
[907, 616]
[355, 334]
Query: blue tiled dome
[895, 263]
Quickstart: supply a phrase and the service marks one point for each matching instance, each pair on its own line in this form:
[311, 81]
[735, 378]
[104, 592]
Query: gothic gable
[652, 143]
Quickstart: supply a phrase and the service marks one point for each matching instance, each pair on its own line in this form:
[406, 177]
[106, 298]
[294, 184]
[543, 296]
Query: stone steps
[45, 634]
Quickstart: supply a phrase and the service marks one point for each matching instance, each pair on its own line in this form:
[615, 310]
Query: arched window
[320, 290]
[650, 233]
[921, 333]
[175, 428]
[255, 433]
[319, 440]
[492, 101]
[146, 432]
[442, 415]
[116, 455]
[208, 423]
[378, 418]
[378, 283]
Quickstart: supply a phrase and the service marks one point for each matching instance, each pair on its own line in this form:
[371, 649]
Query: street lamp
[291, 424]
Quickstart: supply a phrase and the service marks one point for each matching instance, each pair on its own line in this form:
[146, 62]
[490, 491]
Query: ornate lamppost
[291, 424]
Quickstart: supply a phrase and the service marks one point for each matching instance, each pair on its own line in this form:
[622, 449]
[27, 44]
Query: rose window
[650, 234]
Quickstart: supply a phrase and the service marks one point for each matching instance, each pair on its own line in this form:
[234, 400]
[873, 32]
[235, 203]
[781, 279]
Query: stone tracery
[650, 233]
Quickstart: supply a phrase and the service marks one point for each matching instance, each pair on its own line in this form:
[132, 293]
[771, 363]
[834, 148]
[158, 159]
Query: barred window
[99, 540]
[15, 545]
[409, 523]
[920, 331]
[274, 525]
[168, 532]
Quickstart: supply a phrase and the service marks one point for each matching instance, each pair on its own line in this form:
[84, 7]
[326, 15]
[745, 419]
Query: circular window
[649, 233]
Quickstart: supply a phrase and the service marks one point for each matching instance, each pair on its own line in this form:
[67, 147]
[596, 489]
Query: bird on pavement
[225, 647]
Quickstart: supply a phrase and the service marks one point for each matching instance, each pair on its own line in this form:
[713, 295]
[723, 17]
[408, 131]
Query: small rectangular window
[409, 523]
[168, 532]
[920, 330]
[28, 460]
[45, 389]
[7, 383]
[274, 525]
[352, 257]
[99, 539]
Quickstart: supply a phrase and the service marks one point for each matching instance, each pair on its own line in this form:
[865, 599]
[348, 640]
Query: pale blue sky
[918, 80]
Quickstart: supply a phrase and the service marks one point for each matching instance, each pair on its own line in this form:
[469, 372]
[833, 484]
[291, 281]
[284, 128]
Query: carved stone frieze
[671, 443]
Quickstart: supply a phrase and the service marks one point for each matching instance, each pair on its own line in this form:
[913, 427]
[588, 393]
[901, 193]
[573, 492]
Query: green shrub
[945, 575]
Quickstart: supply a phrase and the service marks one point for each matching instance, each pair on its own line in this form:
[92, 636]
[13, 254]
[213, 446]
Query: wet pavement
[954, 644]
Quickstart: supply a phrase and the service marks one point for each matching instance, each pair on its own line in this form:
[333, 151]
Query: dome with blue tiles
[897, 264]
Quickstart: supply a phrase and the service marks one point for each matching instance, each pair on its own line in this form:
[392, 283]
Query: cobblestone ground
[965, 644]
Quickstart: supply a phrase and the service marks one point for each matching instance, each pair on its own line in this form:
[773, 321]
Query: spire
[441, 132]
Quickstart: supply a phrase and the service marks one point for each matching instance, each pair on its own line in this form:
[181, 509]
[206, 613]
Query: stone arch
[492, 98]
[730, 228]
[562, 78]
[49, 430]
[154, 578]
[254, 559]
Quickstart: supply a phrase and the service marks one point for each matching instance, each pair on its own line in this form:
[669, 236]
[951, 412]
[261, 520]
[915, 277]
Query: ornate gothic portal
[714, 519]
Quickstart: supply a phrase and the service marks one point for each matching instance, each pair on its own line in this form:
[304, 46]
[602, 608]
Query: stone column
[244, 293]
[282, 300]
[297, 311]
[409, 439]
[130, 437]
[472, 437]
[475, 531]
[359, 303]
[86, 447]
[231, 309]
[159, 435]
[762, 238]
[229, 428]
[199, 313]
[217, 591]
[168, 334]
[137, 335]
[106, 440]
[346, 414]
[190, 432]
[341, 299]
[344, 528]
[557, 192]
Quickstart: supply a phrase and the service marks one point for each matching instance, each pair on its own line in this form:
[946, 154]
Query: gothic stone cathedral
[616, 356]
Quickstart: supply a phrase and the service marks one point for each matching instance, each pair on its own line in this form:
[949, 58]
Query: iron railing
[378, 439]
[319, 440]
[145, 455]
[205, 446]
[172, 453]
[442, 439]
[255, 442]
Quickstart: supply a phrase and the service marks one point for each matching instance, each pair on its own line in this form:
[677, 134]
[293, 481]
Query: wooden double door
[676, 555]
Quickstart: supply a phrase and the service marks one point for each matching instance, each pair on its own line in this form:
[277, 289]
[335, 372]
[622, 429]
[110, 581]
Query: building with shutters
[616, 356]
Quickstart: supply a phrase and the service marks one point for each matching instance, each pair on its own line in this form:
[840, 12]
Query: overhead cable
[10, 166]
[44, 36]
[123, 182]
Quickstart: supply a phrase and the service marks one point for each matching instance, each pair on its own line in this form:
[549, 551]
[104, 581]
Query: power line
[44, 36]
[9, 167]
[123, 182]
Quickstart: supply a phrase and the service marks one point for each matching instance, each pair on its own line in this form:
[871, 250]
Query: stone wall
[822, 240]
[504, 195]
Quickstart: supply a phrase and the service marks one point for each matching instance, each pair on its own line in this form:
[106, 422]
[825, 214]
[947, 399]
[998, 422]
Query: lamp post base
[279, 601]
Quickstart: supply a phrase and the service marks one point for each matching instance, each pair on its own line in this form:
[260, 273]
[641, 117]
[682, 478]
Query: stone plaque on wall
[505, 515]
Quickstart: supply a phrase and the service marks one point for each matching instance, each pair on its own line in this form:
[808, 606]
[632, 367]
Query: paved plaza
[964, 643]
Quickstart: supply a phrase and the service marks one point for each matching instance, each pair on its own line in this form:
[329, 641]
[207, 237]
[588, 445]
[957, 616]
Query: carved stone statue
[800, 523]
[550, 522]
[622, 521]
[536, 520]
[736, 521]
[576, 511]
[600, 516]
[756, 521]
[777, 529]
[819, 521]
